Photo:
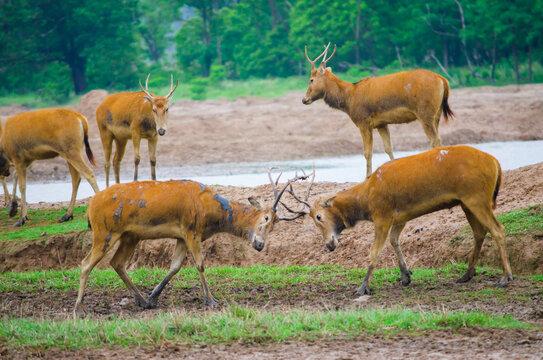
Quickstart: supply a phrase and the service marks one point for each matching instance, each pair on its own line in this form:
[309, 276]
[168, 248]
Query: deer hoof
[211, 302]
[152, 303]
[364, 289]
[406, 278]
[466, 277]
[13, 209]
[142, 303]
[505, 280]
[65, 217]
[21, 222]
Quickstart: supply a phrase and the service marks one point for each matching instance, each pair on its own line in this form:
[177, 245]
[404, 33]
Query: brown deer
[413, 186]
[182, 209]
[4, 166]
[375, 103]
[46, 134]
[133, 115]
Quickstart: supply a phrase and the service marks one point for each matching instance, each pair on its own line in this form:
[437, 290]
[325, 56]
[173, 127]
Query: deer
[375, 103]
[4, 166]
[182, 209]
[132, 115]
[409, 187]
[41, 135]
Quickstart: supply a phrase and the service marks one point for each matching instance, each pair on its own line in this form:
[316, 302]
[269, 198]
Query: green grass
[237, 324]
[41, 221]
[523, 221]
[226, 279]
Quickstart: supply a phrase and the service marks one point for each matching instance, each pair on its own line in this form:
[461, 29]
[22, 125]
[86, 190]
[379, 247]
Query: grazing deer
[182, 209]
[45, 134]
[413, 186]
[374, 103]
[134, 115]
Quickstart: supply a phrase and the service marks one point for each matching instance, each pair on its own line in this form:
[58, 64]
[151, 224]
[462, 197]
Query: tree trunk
[515, 63]
[445, 53]
[276, 16]
[493, 71]
[530, 74]
[357, 34]
[78, 68]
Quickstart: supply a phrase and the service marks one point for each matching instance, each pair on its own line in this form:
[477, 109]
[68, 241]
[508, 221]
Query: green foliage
[523, 221]
[56, 82]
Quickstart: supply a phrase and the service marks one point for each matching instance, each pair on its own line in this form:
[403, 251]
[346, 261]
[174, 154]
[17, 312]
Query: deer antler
[324, 59]
[146, 90]
[278, 193]
[172, 89]
[289, 183]
[314, 61]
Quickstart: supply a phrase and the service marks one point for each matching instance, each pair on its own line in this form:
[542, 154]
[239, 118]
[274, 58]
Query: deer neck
[337, 93]
[351, 205]
[233, 217]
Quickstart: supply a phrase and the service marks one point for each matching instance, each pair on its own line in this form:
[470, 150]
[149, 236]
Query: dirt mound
[8, 111]
[431, 240]
[89, 102]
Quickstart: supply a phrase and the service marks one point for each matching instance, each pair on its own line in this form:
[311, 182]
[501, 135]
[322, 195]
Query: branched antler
[278, 193]
[314, 61]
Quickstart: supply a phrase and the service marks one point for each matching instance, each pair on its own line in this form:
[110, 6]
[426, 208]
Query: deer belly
[398, 115]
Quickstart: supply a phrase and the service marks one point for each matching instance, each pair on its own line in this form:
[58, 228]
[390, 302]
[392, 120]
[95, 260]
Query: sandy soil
[254, 129]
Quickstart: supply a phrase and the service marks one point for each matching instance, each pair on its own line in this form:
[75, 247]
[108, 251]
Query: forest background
[55, 51]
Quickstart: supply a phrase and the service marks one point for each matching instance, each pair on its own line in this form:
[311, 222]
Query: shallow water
[512, 155]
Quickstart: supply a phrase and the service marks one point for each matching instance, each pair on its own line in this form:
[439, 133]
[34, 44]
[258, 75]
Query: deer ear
[255, 203]
[329, 69]
[322, 69]
[147, 98]
[327, 203]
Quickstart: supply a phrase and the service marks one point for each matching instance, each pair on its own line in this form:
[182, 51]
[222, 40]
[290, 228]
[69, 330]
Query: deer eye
[266, 218]
[311, 80]
[154, 110]
[319, 217]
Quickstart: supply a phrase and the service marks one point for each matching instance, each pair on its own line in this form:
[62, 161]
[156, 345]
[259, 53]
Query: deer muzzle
[306, 101]
[331, 245]
[258, 243]
[161, 131]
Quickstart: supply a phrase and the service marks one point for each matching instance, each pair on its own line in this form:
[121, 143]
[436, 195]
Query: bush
[57, 83]
[198, 88]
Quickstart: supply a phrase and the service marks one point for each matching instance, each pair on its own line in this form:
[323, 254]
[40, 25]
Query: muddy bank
[431, 240]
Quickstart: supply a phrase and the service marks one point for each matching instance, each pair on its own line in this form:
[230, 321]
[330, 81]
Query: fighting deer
[375, 103]
[46, 134]
[404, 189]
[182, 209]
[133, 115]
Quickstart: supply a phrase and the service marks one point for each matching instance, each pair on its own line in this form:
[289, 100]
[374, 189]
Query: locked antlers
[288, 185]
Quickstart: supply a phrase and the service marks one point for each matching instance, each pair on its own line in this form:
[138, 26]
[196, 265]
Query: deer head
[317, 81]
[160, 105]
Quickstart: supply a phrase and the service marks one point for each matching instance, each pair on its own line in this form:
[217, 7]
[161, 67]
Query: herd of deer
[190, 212]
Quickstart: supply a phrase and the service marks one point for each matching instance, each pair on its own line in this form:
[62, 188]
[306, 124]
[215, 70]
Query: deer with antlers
[375, 103]
[404, 189]
[133, 115]
[182, 209]
[45, 134]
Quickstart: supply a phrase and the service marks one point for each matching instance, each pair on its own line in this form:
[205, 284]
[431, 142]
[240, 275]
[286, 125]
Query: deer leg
[21, 172]
[393, 237]
[7, 198]
[195, 247]
[118, 262]
[151, 143]
[120, 147]
[83, 169]
[179, 256]
[430, 130]
[367, 139]
[107, 145]
[484, 214]
[136, 140]
[13, 206]
[100, 246]
[381, 232]
[479, 233]
[76, 180]
[385, 136]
